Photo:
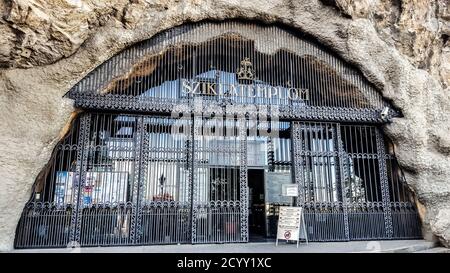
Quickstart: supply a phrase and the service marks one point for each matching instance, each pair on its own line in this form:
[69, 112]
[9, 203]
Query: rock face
[401, 46]
[418, 29]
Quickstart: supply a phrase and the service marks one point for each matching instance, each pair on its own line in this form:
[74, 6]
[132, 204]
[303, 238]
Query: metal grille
[233, 62]
[405, 218]
[165, 195]
[218, 184]
[139, 182]
[119, 179]
[47, 218]
[348, 184]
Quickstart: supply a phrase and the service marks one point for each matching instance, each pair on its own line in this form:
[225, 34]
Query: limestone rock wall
[418, 29]
[402, 46]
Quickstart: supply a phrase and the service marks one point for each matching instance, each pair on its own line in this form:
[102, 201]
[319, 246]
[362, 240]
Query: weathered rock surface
[401, 46]
[419, 29]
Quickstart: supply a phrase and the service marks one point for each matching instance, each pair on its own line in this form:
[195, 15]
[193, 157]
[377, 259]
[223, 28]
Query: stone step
[413, 248]
[435, 250]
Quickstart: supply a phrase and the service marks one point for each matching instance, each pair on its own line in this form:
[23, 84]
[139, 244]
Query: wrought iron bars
[203, 58]
[48, 218]
[220, 186]
[144, 182]
[348, 184]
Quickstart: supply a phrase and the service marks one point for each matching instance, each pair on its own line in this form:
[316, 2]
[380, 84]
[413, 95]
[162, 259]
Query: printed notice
[289, 223]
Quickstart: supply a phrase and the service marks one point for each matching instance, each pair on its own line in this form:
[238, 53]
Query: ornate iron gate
[120, 179]
[219, 204]
[164, 197]
[346, 187]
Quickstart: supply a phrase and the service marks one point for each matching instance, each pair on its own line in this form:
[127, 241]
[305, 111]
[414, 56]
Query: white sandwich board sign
[290, 221]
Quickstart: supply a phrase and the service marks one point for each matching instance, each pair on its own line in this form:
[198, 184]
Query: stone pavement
[266, 247]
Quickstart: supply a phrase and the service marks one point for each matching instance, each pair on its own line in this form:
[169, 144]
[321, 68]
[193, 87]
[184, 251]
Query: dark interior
[257, 222]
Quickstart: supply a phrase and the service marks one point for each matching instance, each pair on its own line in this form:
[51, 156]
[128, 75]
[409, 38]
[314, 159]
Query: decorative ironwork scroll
[384, 181]
[80, 177]
[345, 185]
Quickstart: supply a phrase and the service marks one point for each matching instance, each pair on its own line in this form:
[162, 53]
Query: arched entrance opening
[191, 137]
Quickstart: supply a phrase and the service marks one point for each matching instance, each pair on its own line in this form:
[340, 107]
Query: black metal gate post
[190, 155]
[298, 162]
[384, 182]
[196, 126]
[139, 180]
[80, 178]
[342, 177]
[243, 183]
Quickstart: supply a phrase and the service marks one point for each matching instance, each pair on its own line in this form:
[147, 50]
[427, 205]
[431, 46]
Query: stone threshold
[394, 246]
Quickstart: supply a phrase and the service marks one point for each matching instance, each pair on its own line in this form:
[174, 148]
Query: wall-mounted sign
[289, 190]
[290, 221]
[209, 88]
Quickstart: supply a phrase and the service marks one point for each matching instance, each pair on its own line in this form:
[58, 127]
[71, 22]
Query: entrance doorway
[256, 202]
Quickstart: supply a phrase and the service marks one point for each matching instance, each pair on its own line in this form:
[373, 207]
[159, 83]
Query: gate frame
[80, 177]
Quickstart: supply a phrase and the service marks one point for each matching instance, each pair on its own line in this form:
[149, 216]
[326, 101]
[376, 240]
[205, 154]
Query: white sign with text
[289, 223]
[290, 190]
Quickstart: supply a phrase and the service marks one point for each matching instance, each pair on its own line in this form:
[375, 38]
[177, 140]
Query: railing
[405, 221]
[165, 223]
[44, 225]
[218, 222]
[153, 185]
[105, 225]
[366, 221]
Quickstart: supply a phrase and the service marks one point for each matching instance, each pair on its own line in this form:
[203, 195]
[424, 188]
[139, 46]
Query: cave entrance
[178, 128]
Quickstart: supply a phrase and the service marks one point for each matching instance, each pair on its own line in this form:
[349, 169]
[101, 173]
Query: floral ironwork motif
[245, 71]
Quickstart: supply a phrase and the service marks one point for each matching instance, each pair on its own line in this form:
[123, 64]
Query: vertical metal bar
[80, 177]
[242, 125]
[297, 164]
[343, 178]
[384, 183]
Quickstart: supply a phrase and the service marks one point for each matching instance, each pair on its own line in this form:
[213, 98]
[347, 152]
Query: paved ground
[435, 250]
[333, 247]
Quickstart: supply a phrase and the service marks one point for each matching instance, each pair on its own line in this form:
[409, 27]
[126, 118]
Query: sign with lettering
[208, 88]
[289, 223]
